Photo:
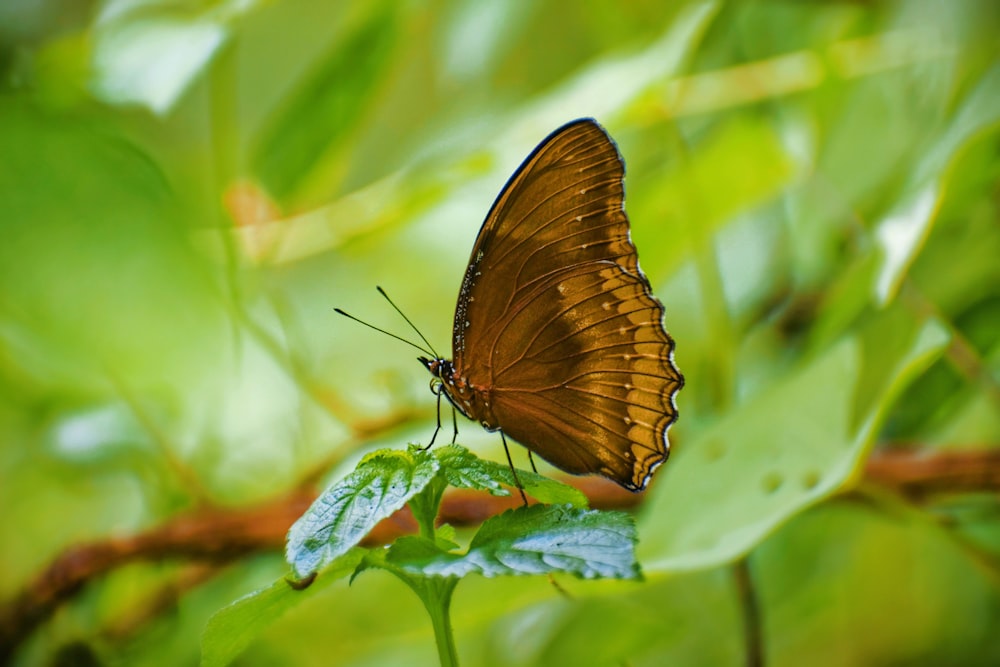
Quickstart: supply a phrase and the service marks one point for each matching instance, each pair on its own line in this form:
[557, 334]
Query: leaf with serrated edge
[534, 540]
[464, 469]
[347, 511]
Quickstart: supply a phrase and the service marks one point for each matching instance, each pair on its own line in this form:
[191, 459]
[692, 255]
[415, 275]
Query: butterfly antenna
[391, 335]
[412, 325]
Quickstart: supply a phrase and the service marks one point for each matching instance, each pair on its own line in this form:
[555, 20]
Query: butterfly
[558, 340]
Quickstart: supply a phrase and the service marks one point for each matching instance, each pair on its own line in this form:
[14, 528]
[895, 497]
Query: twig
[212, 535]
[752, 635]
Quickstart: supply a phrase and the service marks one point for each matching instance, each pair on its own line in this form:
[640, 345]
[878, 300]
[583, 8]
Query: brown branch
[919, 473]
[217, 536]
[213, 535]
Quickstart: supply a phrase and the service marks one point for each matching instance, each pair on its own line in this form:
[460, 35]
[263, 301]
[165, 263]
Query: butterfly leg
[454, 423]
[437, 392]
[510, 462]
[531, 460]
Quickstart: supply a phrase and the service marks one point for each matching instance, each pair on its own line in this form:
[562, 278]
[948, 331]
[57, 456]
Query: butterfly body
[469, 399]
[558, 340]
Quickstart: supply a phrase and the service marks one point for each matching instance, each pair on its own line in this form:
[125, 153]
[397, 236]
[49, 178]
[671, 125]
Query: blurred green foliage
[188, 189]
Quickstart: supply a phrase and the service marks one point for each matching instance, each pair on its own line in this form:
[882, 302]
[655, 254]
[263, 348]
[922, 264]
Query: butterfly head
[439, 368]
[444, 374]
[458, 391]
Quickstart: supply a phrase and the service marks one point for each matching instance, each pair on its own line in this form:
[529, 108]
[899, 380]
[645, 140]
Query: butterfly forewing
[556, 329]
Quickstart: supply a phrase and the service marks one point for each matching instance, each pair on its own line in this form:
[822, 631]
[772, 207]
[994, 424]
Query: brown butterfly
[558, 341]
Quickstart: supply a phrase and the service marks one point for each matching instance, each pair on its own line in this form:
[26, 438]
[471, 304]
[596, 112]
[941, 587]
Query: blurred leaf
[609, 85]
[320, 117]
[896, 348]
[774, 455]
[150, 53]
[532, 540]
[810, 573]
[347, 511]
[978, 111]
[901, 234]
[740, 165]
[295, 238]
[234, 627]
[97, 272]
[845, 301]
[618, 626]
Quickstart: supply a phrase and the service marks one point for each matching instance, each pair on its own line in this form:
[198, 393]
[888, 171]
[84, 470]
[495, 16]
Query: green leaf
[901, 235]
[343, 514]
[533, 540]
[444, 537]
[232, 628]
[546, 490]
[776, 454]
[409, 548]
[745, 153]
[322, 113]
[463, 469]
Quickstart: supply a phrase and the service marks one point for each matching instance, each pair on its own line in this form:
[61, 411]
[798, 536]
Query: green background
[188, 189]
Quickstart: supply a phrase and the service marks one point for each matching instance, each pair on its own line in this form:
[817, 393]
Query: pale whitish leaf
[533, 540]
[901, 235]
[153, 62]
[343, 514]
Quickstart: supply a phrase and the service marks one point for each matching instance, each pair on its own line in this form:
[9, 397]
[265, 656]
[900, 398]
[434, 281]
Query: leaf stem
[425, 506]
[437, 600]
[435, 593]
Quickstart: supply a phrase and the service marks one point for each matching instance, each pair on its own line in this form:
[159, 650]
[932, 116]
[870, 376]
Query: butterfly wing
[558, 324]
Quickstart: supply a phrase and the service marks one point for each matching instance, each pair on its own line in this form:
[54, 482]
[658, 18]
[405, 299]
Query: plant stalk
[437, 601]
[435, 593]
[750, 605]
